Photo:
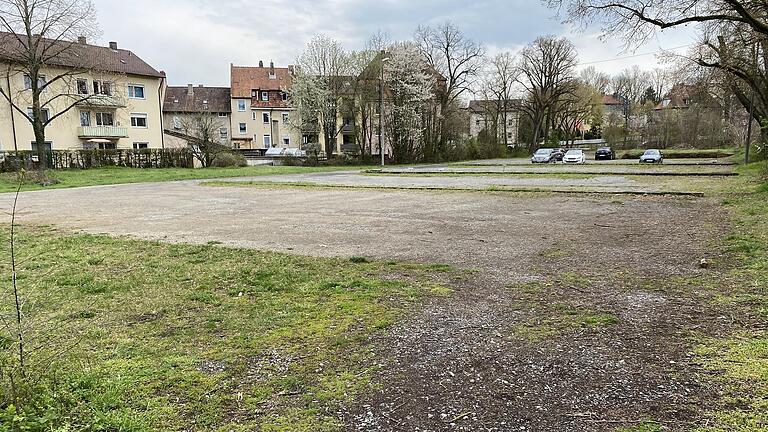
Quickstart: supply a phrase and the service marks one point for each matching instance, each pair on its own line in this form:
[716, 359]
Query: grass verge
[182, 337]
[739, 362]
[119, 175]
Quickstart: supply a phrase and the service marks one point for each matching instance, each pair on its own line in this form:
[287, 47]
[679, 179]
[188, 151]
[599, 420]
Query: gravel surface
[462, 362]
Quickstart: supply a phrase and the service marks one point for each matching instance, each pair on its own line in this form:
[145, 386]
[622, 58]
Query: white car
[575, 156]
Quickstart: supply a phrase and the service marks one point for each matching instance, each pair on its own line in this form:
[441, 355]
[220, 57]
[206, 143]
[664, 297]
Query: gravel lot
[462, 362]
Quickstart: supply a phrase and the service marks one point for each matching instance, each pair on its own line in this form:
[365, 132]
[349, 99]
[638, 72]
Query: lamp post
[381, 107]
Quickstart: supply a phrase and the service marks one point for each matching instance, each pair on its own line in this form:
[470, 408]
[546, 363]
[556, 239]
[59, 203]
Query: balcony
[102, 101]
[112, 132]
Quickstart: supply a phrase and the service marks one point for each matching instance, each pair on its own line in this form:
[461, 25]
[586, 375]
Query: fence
[85, 159]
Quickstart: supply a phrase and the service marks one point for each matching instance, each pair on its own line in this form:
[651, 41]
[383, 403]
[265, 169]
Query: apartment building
[116, 99]
[261, 113]
[185, 103]
[485, 113]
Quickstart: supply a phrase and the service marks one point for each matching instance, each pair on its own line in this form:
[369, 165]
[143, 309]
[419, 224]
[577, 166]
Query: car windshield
[651, 152]
[574, 153]
[604, 149]
[543, 152]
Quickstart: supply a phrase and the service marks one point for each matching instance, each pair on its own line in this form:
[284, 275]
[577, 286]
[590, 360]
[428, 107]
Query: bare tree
[459, 60]
[202, 132]
[498, 88]
[596, 79]
[38, 34]
[547, 73]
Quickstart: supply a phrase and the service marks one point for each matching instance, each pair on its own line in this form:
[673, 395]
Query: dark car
[559, 154]
[605, 153]
[544, 155]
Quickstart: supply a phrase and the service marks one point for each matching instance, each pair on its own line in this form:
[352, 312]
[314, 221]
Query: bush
[230, 160]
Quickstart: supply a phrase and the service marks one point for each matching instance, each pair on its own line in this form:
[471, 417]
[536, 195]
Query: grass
[182, 337]
[118, 175]
[740, 361]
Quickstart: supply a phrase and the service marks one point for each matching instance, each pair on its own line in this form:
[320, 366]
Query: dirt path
[513, 348]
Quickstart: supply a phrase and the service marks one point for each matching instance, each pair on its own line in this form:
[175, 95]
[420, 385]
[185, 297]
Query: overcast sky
[194, 41]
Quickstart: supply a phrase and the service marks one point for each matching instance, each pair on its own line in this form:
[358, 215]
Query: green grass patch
[740, 362]
[182, 337]
[646, 426]
[119, 175]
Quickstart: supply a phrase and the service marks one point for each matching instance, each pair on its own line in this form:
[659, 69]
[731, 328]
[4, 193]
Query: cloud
[194, 41]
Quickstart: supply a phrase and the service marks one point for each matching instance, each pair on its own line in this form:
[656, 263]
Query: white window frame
[241, 105]
[287, 141]
[265, 117]
[243, 128]
[285, 96]
[132, 91]
[223, 115]
[223, 133]
[265, 96]
[137, 145]
[140, 116]
[267, 140]
[42, 80]
[87, 116]
[176, 123]
[77, 86]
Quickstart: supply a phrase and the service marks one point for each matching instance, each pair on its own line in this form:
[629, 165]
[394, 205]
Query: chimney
[113, 46]
[261, 64]
[190, 90]
[82, 40]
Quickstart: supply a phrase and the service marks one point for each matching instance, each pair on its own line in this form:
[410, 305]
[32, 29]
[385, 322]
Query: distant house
[484, 113]
[260, 108]
[680, 97]
[184, 103]
[613, 109]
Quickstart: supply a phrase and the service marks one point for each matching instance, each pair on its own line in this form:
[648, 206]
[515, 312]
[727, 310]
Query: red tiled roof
[78, 55]
[245, 79]
[612, 100]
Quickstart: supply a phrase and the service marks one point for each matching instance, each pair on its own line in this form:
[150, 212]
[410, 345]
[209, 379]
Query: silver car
[652, 156]
[544, 155]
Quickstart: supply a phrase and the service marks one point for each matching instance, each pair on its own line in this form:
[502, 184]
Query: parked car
[652, 156]
[575, 156]
[544, 155]
[559, 154]
[605, 153]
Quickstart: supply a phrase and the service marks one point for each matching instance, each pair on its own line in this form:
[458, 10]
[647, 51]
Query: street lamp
[381, 107]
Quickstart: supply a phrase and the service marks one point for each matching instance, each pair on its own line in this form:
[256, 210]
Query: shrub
[230, 160]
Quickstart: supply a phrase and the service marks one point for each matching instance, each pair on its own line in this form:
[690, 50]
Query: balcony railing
[103, 101]
[102, 132]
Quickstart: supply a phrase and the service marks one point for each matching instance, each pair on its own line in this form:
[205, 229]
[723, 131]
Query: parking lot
[531, 256]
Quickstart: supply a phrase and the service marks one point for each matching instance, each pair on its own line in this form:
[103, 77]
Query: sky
[194, 41]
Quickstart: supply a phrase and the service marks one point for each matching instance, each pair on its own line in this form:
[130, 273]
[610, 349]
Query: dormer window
[272, 76]
[265, 96]
[254, 93]
[285, 96]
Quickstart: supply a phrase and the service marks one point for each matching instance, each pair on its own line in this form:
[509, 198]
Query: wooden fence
[85, 159]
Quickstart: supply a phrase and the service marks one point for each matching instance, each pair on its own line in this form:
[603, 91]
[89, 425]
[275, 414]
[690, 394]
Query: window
[85, 118]
[265, 96]
[285, 96]
[136, 91]
[265, 118]
[82, 87]
[176, 123]
[107, 146]
[254, 93]
[243, 128]
[286, 141]
[241, 105]
[140, 145]
[102, 88]
[105, 119]
[48, 145]
[222, 114]
[267, 141]
[139, 120]
[41, 81]
[285, 118]
[223, 133]
[46, 114]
